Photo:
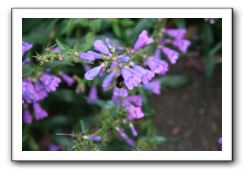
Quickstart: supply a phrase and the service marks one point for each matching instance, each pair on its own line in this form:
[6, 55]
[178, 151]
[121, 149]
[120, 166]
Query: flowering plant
[103, 82]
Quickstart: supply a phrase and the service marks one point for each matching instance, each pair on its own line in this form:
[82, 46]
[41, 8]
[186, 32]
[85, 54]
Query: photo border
[21, 154]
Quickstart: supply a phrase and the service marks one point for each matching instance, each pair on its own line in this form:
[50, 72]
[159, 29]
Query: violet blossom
[27, 117]
[142, 40]
[128, 140]
[25, 47]
[131, 79]
[91, 74]
[93, 138]
[68, 79]
[120, 92]
[171, 54]
[182, 44]
[50, 82]
[156, 65]
[101, 47]
[92, 96]
[39, 112]
[153, 86]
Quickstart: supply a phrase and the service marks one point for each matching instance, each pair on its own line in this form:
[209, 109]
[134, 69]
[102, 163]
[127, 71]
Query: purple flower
[27, 116]
[128, 140]
[156, 65]
[131, 80]
[40, 91]
[113, 65]
[182, 44]
[176, 33]
[133, 130]
[157, 53]
[135, 100]
[92, 96]
[28, 91]
[111, 45]
[25, 47]
[171, 54]
[53, 147]
[145, 75]
[108, 80]
[142, 41]
[154, 87]
[50, 82]
[93, 138]
[56, 49]
[134, 113]
[39, 112]
[220, 140]
[101, 47]
[91, 74]
[69, 80]
[120, 92]
[123, 59]
[90, 56]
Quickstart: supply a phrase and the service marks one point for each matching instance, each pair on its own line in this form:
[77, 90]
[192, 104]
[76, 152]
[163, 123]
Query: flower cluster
[33, 91]
[125, 74]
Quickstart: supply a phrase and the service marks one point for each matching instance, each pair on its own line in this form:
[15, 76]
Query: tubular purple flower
[108, 80]
[154, 87]
[171, 54]
[53, 147]
[89, 57]
[112, 45]
[91, 74]
[40, 91]
[134, 113]
[69, 80]
[182, 44]
[176, 33]
[157, 53]
[128, 140]
[56, 49]
[158, 66]
[93, 138]
[120, 92]
[101, 47]
[135, 100]
[25, 47]
[28, 92]
[133, 130]
[92, 96]
[131, 80]
[123, 59]
[39, 112]
[142, 40]
[50, 82]
[145, 75]
[27, 117]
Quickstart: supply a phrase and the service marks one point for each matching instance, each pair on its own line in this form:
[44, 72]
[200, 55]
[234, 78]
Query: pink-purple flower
[145, 74]
[156, 65]
[91, 74]
[182, 44]
[25, 47]
[154, 87]
[101, 47]
[171, 54]
[142, 40]
[39, 112]
[131, 79]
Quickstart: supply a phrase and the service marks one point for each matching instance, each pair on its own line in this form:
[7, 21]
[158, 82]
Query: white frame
[224, 155]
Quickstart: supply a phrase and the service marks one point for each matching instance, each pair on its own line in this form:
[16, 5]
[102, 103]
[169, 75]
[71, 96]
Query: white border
[19, 155]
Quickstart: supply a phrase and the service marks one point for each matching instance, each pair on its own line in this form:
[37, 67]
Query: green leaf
[116, 28]
[62, 45]
[174, 81]
[95, 25]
